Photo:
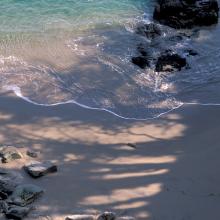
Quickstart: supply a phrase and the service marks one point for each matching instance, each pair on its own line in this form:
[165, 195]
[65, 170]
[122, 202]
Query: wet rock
[150, 31]
[191, 52]
[32, 154]
[17, 212]
[107, 216]
[25, 194]
[141, 61]
[80, 217]
[186, 13]
[169, 62]
[38, 169]
[9, 153]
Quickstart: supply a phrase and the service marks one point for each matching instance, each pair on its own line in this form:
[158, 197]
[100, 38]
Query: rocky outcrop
[186, 13]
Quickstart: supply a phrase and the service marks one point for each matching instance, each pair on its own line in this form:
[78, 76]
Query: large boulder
[186, 13]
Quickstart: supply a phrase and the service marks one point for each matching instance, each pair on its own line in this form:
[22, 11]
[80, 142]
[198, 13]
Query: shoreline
[171, 174]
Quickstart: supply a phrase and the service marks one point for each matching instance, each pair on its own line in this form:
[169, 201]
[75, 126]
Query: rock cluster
[186, 13]
[178, 14]
[16, 199]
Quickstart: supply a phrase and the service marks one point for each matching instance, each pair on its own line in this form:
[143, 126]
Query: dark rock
[149, 30]
[3, 206]
[38, 169]
[17, 212]
[169, 62]
[141, 61]
[9, 153]
[107, 216]
[25, 194]
[187, 13]
[191, 52]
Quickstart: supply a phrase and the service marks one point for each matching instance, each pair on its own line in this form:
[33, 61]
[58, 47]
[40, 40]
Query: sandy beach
[171, 174]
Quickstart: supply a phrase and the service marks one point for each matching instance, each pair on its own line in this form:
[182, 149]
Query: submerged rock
[6, 188]
[25, 194]
[141, 61]
[169, 62]
[107, 216]
[150, 31]
[9, 153]
[186, 13]
[38, 169]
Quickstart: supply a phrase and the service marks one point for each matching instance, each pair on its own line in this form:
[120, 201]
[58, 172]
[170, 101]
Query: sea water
[79, 51]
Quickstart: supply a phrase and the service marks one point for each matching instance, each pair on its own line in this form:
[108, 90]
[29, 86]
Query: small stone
[32, 154]
[107, 216]
[37, 169]
[9, 153]
[80, 217]
[25, 194]
[17, 212]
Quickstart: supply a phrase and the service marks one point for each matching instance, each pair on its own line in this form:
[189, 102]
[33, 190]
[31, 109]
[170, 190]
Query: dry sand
[172, 175]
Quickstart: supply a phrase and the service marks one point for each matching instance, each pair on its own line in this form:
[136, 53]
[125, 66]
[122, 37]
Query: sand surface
[173, 174]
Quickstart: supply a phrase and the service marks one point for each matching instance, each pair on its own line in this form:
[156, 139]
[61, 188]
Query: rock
[191, 52]
[32, 154]
[17, 212]
[149, 30]
[25, 194]
[141, 61]
[3, 206]
[186, 13]
[6, 188]
[9, 153]
[170, 62]
[38, 169]
[107, 216]
[80, 217]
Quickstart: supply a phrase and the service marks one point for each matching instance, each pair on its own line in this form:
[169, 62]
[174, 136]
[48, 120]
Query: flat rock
[37, 169]
[25, 194]
[80, 217]
[9, 153]
[186, 13]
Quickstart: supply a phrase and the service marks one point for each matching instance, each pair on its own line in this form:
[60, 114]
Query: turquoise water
[32, 15]
[79, 51]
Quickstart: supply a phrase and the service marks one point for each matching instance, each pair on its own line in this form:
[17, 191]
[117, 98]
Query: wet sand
[171, 174]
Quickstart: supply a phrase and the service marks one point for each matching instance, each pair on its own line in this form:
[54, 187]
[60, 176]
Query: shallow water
[56, 51]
